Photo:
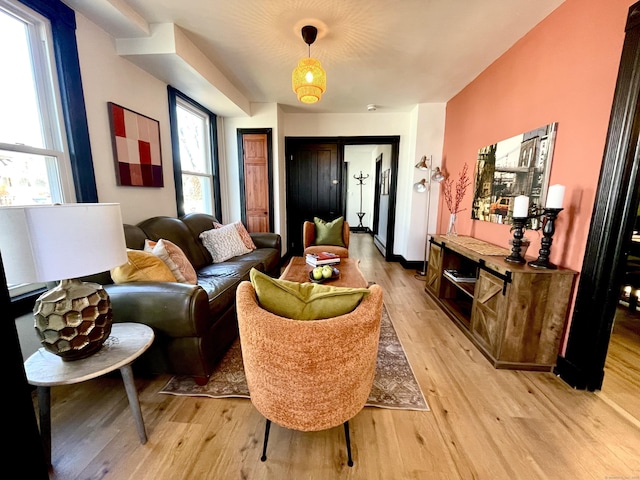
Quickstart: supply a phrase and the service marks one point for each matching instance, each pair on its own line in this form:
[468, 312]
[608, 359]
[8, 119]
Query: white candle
[521, 206]
[555, 196]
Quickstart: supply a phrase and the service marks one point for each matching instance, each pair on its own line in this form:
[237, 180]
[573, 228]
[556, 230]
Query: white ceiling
[394, 54]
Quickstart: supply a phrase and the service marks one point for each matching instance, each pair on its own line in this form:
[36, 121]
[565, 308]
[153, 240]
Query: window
[42, 110]
[34, 166]
[194, 155]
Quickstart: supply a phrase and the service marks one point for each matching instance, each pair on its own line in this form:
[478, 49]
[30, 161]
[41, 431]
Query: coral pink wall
[564, 70]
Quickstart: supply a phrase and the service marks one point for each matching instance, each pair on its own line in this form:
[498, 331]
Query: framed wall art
[519, 165]
[136, 148]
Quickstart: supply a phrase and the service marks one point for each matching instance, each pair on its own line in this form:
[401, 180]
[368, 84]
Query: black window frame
[173, 95]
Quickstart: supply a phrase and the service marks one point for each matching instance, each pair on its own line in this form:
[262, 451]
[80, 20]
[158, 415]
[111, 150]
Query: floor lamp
[424, 185]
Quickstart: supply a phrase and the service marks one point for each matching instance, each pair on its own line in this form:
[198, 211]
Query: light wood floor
[483, 424]
[622, 369]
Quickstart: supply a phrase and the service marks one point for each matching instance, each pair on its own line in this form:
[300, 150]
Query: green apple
[317, 273]
[327, 271]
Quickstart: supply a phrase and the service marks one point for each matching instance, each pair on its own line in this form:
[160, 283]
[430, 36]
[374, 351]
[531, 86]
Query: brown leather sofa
[194, 324]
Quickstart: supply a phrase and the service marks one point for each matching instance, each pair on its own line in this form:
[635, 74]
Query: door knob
[335, 182]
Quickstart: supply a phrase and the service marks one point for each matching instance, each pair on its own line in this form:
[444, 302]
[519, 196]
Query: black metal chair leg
[267, 427]
[346, 434]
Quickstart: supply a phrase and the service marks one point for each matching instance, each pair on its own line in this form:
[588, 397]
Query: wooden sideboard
[514, 314]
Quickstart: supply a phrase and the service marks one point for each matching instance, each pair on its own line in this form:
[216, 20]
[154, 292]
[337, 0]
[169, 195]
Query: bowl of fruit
[324, 273]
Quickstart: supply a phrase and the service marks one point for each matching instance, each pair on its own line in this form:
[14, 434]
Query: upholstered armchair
[310, 245]
[309, 375]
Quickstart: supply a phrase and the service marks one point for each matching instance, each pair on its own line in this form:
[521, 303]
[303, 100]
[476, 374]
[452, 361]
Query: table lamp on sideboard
[47, 243]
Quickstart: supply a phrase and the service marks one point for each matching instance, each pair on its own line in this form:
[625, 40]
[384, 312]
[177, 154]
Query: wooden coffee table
[350, 275]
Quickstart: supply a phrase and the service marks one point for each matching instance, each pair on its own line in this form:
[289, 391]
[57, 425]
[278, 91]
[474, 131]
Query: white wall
[427, 123]
[357, 163]
[106, 77]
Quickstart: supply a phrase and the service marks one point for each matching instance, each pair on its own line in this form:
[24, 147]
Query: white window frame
[49, 102]
[208, 174]
[177, 100]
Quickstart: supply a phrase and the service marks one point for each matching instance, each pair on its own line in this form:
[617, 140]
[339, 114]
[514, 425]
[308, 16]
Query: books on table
[322, 258]
[460, 276]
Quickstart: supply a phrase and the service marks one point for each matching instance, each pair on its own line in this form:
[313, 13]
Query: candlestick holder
[548, 229]
[518, 234]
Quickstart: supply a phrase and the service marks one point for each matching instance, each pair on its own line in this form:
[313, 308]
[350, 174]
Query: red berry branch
[453, 198]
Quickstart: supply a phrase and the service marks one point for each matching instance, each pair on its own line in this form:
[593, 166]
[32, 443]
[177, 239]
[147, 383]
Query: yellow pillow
[142, 267]
[304, 301]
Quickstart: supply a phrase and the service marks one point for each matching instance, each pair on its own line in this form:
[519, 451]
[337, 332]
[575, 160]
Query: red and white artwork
[136, 148]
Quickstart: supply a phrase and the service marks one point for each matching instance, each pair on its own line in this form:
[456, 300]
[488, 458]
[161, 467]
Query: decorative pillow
[223, 243]
[304, 301]
[142, 267]
[244, 235]
[174, 257]
[329, 233]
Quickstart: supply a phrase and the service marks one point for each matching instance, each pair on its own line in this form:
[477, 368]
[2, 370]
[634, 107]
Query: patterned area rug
[394, 385]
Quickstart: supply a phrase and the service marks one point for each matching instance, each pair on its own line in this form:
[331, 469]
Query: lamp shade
[423, 164]
[421, 186]
[309, 80]
[438, 176]
[43, 243]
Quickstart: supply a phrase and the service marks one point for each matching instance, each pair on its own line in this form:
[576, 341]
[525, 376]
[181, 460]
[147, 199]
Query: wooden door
[256, 184]
[314, 177]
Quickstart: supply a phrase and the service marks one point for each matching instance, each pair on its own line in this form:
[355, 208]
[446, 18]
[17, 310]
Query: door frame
[243, 206]
[394, 141]
[608, 244]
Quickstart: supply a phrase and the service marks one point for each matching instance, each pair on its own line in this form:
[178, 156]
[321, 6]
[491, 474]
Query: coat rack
[360, 178]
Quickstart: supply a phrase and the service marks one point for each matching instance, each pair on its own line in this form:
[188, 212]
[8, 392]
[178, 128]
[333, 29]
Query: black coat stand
[360, 178]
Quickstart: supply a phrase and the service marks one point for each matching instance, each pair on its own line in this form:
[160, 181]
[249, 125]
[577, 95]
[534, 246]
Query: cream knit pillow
[223, 243]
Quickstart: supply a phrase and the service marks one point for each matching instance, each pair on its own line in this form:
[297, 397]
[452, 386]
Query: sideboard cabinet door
[434, 269]
[488, 312]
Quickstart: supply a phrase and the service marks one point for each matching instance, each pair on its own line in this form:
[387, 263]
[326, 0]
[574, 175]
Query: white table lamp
[47, 243]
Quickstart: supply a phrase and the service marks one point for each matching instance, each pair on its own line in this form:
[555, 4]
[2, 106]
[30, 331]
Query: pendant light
[309, 80]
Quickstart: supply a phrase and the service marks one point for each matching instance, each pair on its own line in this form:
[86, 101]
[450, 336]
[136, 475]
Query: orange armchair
[309, 238]
[309, 375]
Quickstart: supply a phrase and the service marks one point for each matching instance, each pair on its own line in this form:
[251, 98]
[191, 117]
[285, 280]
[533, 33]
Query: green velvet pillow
[329, 233]
[304, 301]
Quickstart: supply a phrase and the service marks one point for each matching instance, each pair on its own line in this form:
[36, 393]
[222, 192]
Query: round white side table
[45, 370]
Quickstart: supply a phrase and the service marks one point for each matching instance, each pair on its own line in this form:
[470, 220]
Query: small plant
[453, 197]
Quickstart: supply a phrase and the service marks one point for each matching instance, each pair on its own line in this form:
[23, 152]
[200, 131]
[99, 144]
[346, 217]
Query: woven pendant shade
[309, 80]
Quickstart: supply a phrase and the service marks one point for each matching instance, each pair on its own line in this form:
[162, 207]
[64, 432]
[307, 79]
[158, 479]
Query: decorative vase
[452, 225]
[73, 319]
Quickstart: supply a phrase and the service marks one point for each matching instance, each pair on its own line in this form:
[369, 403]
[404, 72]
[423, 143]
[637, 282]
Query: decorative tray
[336, 274]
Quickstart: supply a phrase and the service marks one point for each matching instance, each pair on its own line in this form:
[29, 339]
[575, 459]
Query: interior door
[376, 198]
[382, 205]
[256, 181]
[314, 178]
